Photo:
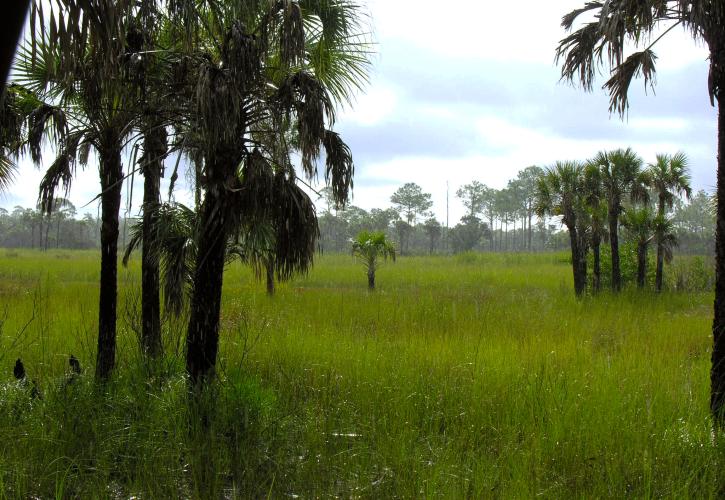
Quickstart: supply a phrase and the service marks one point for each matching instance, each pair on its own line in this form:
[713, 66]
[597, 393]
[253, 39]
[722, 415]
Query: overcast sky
[468, 90]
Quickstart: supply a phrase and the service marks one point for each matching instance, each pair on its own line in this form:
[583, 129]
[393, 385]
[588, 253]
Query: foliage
[410, 201]
[370, 248]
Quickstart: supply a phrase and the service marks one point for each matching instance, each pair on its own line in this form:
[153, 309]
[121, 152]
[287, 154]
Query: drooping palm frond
[61, 171]
[621, 25]
[638, 64]
[339, 167]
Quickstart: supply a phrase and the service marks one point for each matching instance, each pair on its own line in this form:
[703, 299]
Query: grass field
[468, 376]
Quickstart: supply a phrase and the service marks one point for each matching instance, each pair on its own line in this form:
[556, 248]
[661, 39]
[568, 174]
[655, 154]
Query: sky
[469, 90]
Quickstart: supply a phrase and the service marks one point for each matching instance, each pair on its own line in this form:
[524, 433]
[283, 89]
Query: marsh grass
[466, 376]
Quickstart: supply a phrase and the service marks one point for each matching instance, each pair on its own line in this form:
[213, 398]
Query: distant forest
[501, 225]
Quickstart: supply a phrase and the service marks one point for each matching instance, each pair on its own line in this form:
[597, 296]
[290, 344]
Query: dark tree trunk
[269, 268]
[111, 183]
[529, 242]
[641, 264]
[580, 283]
[717, 372]
[597, 272]
[371, 279]
[660, 265]
[202, 340]
[152, 161]
[614, 243]
[660, 248]
[47, 233]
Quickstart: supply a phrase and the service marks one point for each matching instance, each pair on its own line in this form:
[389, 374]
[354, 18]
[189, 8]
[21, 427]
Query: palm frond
[640, 63]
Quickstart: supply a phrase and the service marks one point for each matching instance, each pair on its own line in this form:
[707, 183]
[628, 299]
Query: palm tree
[86, 70]
[561, 191]
[268, 68]
[669, 177]
[370, 247]
[619, 177]
[604, 40]
[640, 224]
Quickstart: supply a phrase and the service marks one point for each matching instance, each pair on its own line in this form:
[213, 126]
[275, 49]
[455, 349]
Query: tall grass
[466, 376]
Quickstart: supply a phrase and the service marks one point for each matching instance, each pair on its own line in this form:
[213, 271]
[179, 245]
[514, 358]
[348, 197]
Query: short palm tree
[669, 177]
[370, 248]
[562, 191]
[640, 223]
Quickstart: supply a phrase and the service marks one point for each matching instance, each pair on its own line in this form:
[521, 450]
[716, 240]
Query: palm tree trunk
[660, 265]
[371, 279]
[202, 340]
[660, 247]
[154, 151]
[641, 264]
[579, 284]
[717, 371]
[269, 268]
[111, 183]
[614, 243]
[597, 273]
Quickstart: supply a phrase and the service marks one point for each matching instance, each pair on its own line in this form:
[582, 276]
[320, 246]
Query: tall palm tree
[268, 68]
[669, 177]
[80, 55]
[562, 191]
[640, 223]
[370, 247]
[604, 39]
[619, 176]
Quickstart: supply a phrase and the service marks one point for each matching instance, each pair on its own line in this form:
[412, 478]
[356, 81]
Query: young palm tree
[562, 191]
[604, 39]
[370, 247]
[640, 224]
[669, 178]
[619, 178]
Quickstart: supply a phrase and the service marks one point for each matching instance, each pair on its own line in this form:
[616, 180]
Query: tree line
[496, 220]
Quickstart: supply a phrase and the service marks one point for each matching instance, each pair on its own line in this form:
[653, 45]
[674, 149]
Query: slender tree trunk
[152, 161]
[111, 183]
[530, 234]
[579, 284]
[57, 233]
[47, 233]
[717, 372]
[641, 264]
[371, 279]
[614, 243]
[202, 340]
[597, 272]
[660, 247]
[269, 268]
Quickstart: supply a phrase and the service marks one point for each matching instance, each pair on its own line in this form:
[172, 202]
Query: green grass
[467, 376]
